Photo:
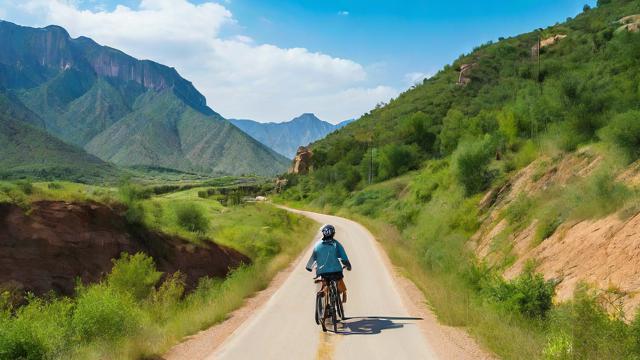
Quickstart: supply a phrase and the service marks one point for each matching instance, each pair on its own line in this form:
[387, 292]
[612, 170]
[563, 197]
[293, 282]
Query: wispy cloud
[343, 13]
[239, 77]
[416, 78]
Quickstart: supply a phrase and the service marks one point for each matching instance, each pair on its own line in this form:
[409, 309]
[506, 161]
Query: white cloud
[238, 77]
[416, 78]
[343, 13]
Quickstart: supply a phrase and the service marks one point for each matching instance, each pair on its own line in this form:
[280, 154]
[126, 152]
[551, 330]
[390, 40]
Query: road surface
[379, 325]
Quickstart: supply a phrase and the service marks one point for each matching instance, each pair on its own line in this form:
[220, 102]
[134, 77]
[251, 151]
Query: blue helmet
[328, 231]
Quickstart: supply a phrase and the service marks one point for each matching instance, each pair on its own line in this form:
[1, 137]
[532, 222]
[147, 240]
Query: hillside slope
[80, 90]
[507, 187]
[26, 150]
[286, 137]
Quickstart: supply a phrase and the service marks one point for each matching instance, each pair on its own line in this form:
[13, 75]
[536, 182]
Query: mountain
[286, 137]
[124, 110]
[26, 150]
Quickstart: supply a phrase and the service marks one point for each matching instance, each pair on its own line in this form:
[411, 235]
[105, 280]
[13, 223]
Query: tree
[396, 159]
[452, 130]
[416, 129]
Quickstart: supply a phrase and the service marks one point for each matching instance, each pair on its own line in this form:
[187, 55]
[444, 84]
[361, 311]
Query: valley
[490, 210]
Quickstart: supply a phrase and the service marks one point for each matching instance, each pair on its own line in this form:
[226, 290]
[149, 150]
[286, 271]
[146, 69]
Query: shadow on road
[371, 325]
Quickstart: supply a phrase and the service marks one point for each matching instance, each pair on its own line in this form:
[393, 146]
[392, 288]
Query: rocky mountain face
[93, 96]
[286, 137]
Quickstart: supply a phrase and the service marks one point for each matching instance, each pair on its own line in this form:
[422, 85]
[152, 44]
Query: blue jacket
[327, 255]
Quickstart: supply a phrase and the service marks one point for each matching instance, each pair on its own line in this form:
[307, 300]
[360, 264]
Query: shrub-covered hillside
[577, 87]
[509, 199]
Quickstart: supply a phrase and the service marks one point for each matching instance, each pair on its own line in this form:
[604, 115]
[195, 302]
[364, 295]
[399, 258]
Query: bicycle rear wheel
[340, 308]
[319, 309]
[333, 299]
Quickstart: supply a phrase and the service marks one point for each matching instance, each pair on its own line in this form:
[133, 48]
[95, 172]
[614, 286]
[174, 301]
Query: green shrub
[395, 160]
[166, 299]
[191, 217]
[529, 294]
[527, 154]
[598, 195]
[471, 161]
[38, 330]
[135, 214]
[54, 186]
[130, 193]
[592, 332]
[134, 274]
[624, 133]
[519, 210]
[25, 186]
[103, 312]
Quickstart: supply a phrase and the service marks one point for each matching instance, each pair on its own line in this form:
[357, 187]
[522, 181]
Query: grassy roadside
[135, 312]
[506, 334]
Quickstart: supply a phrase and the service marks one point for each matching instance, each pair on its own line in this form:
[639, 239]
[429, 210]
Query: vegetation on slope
[433, 152]
[136, 311]
[27, 151]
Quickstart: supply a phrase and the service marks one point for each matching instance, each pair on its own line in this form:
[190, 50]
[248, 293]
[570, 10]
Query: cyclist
[329, 256]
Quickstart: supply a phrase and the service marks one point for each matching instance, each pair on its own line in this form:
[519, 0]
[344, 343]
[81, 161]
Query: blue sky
[400, 37]
[271, 60]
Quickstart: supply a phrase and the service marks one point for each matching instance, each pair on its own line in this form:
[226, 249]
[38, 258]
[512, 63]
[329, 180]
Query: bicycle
[328, 304]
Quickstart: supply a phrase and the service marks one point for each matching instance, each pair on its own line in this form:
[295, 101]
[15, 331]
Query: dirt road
[384, 320]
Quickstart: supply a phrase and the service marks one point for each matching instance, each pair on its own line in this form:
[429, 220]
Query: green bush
[54, 186]
[167, 298]
[103, 312]
[519, 210]
[624, 133]
[135, 214]
[528, 294]
[471, 161]
[25, 186]
[395, 160]
[134, 274]
[38, 330]
[191, 217]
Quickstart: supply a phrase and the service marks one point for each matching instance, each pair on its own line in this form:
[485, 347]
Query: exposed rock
[630, 23]
[546, 42]
[465, 69]
[302, 161]
[58, 242]
[603, 252]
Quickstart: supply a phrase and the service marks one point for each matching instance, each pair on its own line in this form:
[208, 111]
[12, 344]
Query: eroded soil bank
[56, 242]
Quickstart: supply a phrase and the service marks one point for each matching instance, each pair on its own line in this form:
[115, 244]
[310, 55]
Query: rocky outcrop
[58, 242]
[302, 161]
[630, 23]
[546, 42]
[464, 77]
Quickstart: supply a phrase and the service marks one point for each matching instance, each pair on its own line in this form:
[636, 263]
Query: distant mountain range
[126, 111]
[286, 137]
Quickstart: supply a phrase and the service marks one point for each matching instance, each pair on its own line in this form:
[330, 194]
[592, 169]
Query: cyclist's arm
[343, 256]
[312, 261]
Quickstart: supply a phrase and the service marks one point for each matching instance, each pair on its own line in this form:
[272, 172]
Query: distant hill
[286, 137]
[27, 151]
[128, 111]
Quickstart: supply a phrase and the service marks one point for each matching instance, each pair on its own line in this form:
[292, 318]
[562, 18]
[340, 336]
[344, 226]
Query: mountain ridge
[286, 137]
[82, 91]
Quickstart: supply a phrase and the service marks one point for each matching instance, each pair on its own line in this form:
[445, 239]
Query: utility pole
[539, 61]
